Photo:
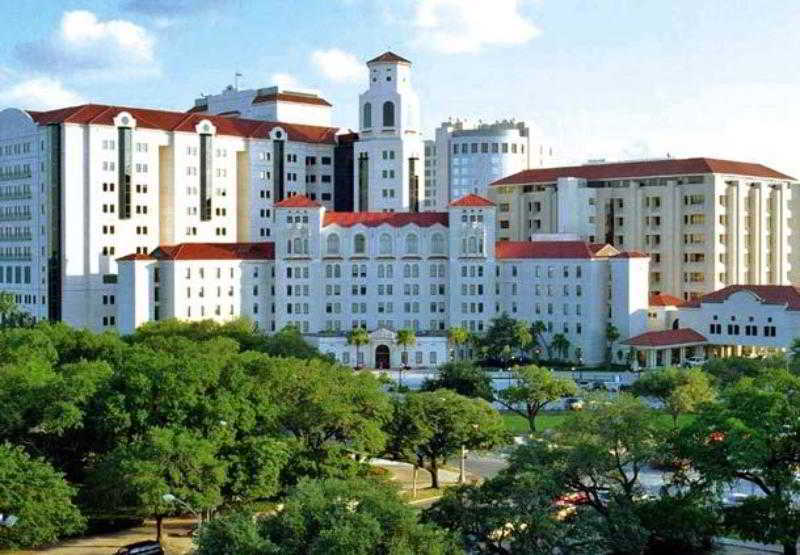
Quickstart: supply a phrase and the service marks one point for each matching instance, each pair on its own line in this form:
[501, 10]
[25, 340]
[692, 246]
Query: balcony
[14, 176]
[19, 237]
[14, 217]
[15, 196]
[14, 257]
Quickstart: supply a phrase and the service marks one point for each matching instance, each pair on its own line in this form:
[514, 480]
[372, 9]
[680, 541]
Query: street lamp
[8, 521]
[169, 498]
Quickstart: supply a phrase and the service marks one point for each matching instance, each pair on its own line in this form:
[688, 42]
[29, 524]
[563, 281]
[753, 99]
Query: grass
[423, 493]
[518, 425]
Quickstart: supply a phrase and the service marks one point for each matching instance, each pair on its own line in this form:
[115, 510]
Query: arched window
[333, 244]
[412, 244]
[298, 246]
[386, 244]
[473, 245]
[367, 114]
[388, 114]
[437, 243]
[360, 244]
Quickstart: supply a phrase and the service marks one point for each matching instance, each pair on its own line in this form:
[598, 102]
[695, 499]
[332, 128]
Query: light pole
[169, 498]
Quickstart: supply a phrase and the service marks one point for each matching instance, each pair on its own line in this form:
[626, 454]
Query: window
[388, 114]
[437, 243]
[360, 244]
[386, 244]
[412, 244]
[367, 114]
[333, 244]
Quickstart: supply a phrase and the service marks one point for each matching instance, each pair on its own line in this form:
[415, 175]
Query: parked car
[574, 403]
[148, 547]
[695, 361]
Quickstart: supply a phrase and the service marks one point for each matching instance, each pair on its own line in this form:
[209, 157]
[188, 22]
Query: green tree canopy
[38, 496]
[464, 378]
[680, 390]
[532, 390]
[444, 421]
[505, 337]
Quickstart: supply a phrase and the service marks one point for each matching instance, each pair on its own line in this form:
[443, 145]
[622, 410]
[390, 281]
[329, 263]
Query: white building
[389, 154]
[383, 271]
[84, 185]
[706, 223]
[465, 158]
[744, 320]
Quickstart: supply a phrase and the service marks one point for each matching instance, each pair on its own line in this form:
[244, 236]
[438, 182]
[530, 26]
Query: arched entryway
[382, 357]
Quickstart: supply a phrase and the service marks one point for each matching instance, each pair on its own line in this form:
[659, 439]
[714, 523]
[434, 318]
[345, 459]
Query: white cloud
[468, 26]
[39, 93]
[96, 48]
[339, 66]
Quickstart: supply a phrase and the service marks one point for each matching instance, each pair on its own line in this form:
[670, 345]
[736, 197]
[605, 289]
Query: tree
[358, 337]
[236, 532]
[458, 336]
[538, 329]
[505, 337]
[8, 306]
[38, 496]
[134, 478]
[680, 391]
[449, 422]
[507, 514]
[358, 517]
[405, 338]
[612, 336]
[464, 378]
[751, 434]
[561, 345]
[729, 370]
[534, 388]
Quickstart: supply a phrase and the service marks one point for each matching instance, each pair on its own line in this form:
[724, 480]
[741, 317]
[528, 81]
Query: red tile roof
[135, 256]
[663, 299]
[390, 57]
[630, 254]
[472, 200]
[787, 295]
[394, 219]
[216, 251]
[181, 121]
[291, 97]
[645, 168]
[298, 201]
[543, 249]
[666, 338]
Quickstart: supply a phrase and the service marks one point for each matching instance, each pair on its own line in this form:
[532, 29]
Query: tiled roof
[135, 256]
[390, 57]
[543, 249]
[787, 295]
[472, 200]
[601, 249]
[666, 338]
[394, 219]
[297, 201]
[182, 121]
[216, 251]
[291, 97]
[663, 299]
[631, 254]
[645, 168]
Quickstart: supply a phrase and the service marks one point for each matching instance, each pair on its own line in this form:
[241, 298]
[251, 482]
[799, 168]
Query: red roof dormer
[472, 200]
[298, 201]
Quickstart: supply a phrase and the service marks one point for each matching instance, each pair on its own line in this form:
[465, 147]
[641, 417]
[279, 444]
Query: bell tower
[389, 152]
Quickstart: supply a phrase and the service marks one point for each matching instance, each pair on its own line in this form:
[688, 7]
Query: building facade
[466, 158]
[331, 272]
[706, 223]
[388, 155]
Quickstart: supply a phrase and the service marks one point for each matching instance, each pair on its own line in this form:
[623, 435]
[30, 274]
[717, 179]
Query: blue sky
[599, 79]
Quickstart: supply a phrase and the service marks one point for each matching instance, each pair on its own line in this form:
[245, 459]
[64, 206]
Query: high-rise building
[706, 223]
[388, 154]
[465, 158]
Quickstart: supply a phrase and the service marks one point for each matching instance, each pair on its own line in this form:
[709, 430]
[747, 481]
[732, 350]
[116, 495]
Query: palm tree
[358, 337]
[405, 338]
[538, 329]
[612, 334]
[458, 336]
[561, 344]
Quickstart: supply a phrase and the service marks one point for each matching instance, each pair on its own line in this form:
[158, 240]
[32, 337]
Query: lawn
[546, 420]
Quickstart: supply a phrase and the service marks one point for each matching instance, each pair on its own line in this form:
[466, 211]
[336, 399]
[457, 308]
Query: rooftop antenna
[236, 80]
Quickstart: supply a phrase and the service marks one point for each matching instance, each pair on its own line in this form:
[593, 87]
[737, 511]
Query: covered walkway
[656, 349]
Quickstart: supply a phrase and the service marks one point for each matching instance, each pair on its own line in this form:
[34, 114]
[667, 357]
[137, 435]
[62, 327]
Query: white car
[695, 361]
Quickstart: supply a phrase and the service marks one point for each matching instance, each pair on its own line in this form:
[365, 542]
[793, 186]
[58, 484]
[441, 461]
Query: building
[744, 320]
[331, 272]
[465, 158]
[706, 223]
[388, 153]
[267, 104]
[83, 185]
